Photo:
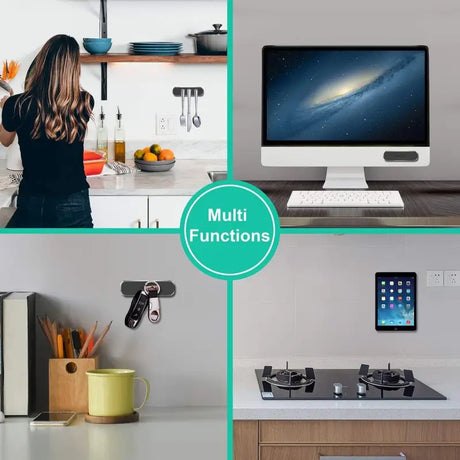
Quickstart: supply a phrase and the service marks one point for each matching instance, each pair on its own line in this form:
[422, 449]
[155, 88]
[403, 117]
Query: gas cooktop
[346, 384]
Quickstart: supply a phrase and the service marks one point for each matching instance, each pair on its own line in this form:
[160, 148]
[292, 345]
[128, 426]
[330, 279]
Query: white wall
[77, 278]
[143, 89]
[353, 22]
[315, 299]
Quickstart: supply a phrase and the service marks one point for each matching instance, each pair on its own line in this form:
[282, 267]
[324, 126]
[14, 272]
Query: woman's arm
[6, 138]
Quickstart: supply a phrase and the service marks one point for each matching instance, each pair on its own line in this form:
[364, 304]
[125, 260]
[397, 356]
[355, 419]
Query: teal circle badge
[230, 229]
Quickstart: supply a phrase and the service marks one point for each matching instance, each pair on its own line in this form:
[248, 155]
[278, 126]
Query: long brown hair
[53, 83]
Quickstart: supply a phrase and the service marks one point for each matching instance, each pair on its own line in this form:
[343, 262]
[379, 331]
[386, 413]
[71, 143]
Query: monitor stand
[345, 178]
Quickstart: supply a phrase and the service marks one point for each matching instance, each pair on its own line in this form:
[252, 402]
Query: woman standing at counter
[50, 119]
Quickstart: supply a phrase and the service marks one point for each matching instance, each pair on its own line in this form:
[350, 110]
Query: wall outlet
[451, 278]
[166, 124]
[435, 278]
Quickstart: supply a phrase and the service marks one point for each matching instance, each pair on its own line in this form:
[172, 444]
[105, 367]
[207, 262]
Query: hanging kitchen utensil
[181, 91]
[211, 42]
[189, 110]
[182, 116]
[196, 118]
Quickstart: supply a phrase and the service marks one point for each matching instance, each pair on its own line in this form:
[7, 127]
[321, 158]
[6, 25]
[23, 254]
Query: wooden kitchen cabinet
[119, 211]
[309, 439]
[315, 453]
[166, 211]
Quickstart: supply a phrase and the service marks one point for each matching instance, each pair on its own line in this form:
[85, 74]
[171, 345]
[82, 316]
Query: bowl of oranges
[154, 159]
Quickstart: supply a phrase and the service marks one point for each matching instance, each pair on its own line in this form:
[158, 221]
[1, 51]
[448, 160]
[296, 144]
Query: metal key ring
[151, 286]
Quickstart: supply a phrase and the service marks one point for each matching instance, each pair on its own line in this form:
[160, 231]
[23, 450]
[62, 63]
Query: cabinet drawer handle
[401, 456]
[156, 223]
[139, 223]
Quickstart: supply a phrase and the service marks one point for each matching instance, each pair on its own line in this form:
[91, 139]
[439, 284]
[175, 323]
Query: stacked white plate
[155, 48]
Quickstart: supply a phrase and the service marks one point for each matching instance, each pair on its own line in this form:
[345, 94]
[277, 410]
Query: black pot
[211, 42]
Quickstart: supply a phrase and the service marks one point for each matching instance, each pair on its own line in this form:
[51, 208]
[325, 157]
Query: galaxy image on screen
[345, 95]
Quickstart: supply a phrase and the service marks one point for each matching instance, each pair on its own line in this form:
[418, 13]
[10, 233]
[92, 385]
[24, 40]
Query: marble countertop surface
[185, 178]
[249, 405]
[168, 433]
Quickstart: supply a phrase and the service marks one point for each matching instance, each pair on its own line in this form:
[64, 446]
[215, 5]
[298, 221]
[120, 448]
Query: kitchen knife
[5, 86]
[189, 113]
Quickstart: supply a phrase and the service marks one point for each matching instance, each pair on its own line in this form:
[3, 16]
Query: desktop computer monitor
[345, 108]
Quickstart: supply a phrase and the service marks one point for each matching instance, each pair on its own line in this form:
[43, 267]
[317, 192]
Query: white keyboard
[345, 199]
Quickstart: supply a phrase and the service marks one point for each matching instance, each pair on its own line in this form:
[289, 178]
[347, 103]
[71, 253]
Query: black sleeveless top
[50, 167]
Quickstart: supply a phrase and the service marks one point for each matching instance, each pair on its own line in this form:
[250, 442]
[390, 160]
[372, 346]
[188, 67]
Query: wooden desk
[426, 204]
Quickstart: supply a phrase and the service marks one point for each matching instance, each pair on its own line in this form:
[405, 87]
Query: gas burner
[289, 379]
[387, 379]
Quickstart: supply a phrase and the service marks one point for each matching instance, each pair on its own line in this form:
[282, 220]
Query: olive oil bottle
[102, 144]
[120, 153]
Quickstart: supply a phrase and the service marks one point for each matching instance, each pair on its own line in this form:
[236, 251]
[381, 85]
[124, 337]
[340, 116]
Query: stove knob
[361, 389]
[337, 388]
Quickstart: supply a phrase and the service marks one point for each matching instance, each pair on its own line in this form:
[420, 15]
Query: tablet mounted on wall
[395, 301]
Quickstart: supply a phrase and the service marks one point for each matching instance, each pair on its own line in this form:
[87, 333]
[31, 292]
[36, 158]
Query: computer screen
[345, 96]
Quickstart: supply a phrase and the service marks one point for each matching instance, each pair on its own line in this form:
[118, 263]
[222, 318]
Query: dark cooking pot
[211, 41]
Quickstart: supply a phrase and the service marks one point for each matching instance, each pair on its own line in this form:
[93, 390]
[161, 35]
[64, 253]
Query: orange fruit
[155, 148]
[150, 157]
[146, 150]
[166, 154]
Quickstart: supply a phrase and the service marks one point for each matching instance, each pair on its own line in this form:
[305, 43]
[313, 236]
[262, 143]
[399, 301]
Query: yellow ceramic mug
[111, 392]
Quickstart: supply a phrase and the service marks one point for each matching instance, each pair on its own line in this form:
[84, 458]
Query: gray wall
[316, 299]
[77, 278]
[352, 22]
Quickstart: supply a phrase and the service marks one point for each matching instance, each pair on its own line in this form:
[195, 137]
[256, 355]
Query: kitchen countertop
[169, 433]
[185, 178]
[426, 204]
[249, 405]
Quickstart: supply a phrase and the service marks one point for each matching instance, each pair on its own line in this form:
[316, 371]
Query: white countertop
[185, 178]
[249, 405]
[166, 433]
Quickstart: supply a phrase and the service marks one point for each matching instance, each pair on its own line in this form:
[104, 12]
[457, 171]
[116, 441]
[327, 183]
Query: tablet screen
[395, 301]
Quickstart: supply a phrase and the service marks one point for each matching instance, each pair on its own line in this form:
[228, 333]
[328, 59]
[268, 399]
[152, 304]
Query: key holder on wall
[146, 297]
[129, 288]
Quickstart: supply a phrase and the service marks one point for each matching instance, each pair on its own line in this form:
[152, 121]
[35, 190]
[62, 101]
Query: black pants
[52, 211]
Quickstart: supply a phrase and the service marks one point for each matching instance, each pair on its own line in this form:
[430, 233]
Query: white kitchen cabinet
[119, 211]
[166, 211]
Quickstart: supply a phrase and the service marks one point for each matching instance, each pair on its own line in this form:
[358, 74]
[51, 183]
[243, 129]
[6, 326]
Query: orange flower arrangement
[10, 70]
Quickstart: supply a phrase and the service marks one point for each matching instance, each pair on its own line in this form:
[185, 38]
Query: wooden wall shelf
[178, 59]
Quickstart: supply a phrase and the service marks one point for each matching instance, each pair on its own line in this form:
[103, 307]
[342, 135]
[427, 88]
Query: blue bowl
[98, 46]
[90, 40]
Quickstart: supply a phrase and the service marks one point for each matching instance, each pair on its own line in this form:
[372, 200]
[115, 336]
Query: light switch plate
[451, 278]
[435, 278]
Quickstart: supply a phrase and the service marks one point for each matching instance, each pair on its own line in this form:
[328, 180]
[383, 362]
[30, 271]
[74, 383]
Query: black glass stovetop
[322, 388]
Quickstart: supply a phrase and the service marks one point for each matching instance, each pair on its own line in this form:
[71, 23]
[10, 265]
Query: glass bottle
[119, 139]
[102, 136]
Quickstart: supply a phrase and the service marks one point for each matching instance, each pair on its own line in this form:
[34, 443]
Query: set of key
[145, 299]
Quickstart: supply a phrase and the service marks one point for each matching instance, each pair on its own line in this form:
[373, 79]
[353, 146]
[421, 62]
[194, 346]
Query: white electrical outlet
[451, 278]
[435, 278]
[166, 124]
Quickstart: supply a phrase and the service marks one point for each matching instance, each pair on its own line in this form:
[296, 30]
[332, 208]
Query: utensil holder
[68, 383]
